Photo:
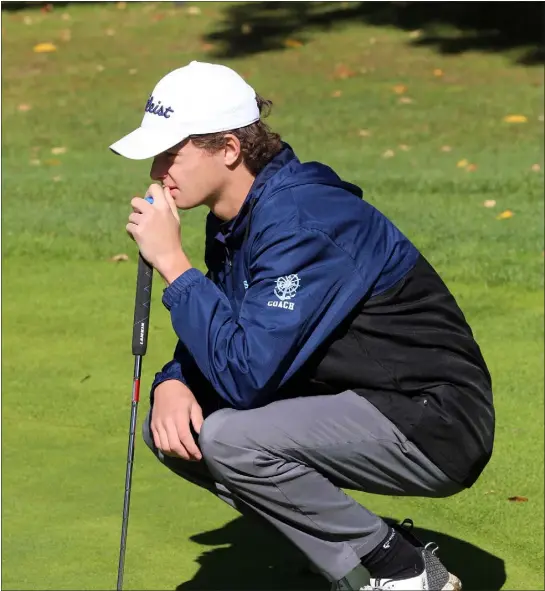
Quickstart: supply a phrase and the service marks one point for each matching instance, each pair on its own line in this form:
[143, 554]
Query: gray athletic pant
[287, 462]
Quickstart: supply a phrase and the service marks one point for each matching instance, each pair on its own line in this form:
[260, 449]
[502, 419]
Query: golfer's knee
[231, 446]
[213, 431]
[234, 447]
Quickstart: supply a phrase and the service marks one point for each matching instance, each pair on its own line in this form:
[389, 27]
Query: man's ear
[232, 152]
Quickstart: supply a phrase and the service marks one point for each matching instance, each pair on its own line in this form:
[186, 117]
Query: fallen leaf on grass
[471, 167]
[490, 203]
[119, 257]
[405, 100]
[505, 215]
[133, 71]
[65, 16]
[110, 32]
[66, 35]
[100, 68]
[292, 43]
[246, 29]
[157, 17]
[388, 154]
[399, 89]
[336, 93]
[515, 119]
[541, 118]
[364, 133]
[58, 150]
[44, 48]
[207, 46]
[404, 147]
[47, 8]
[57, 178]
[489, 492]
[372, 41]
[415, 34]
[52, 162]
[517, 499]
[536, 167]
[462, 163]
[35, 162]
[343, 72]
[446, 149]
[23, 107]
[438, 73]
[121, 5]
[27, 20]
[194, 10]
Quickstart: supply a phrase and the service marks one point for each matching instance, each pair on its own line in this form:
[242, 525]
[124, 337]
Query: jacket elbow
[251, 398]
[244, 391]
[249, 401]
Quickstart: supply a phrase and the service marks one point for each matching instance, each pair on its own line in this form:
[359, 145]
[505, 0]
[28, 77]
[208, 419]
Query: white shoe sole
[453, 583]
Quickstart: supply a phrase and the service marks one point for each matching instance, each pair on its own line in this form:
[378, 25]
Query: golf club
[139, 344]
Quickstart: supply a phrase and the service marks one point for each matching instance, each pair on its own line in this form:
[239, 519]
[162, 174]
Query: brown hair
[257, 142]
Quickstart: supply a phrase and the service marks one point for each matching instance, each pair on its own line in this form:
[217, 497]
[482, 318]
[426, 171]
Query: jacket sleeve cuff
[164, 377]
[171, 371]
[173, 292]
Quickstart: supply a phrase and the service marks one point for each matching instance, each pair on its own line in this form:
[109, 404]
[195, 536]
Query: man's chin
[181, 201]
[178, 199]
[183, 205]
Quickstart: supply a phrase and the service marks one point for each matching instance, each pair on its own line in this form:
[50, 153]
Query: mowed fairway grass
[67, 309]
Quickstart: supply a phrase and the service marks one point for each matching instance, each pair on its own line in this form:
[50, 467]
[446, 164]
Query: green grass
[67, 310]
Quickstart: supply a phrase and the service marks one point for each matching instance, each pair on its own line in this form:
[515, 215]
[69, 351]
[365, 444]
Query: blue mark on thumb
[149, 199]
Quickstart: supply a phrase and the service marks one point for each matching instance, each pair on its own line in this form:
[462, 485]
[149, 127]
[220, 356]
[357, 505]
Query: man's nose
[158, 169]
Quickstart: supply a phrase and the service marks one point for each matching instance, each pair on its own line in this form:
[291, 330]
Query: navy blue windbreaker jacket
[310, 249]
[311, 290]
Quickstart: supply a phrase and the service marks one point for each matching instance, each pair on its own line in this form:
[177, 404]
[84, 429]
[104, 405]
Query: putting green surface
[429, 161]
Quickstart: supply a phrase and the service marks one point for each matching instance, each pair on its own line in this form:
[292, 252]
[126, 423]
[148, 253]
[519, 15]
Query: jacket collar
[235, 229]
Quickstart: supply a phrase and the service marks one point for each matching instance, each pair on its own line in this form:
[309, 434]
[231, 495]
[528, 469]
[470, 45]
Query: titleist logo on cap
[158, 109]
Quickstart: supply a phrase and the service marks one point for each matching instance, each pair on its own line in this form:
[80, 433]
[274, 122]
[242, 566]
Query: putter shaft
[128, 474]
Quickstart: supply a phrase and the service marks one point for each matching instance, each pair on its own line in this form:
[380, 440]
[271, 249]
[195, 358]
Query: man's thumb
[196, 417]
[170, 201]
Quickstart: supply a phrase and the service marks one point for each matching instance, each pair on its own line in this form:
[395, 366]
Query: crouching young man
[321, 350]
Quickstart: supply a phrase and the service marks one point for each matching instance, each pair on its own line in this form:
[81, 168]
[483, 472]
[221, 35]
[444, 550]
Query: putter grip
[142, 306]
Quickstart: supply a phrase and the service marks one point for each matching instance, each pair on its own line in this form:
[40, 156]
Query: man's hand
[156, 230]
[174, 408]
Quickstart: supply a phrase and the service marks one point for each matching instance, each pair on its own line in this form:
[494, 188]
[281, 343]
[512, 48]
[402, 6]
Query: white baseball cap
[196, 99]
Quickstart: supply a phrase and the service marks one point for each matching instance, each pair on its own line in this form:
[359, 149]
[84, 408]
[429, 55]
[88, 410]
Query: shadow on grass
[16, 6]
[256, 558]
[449, 27]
